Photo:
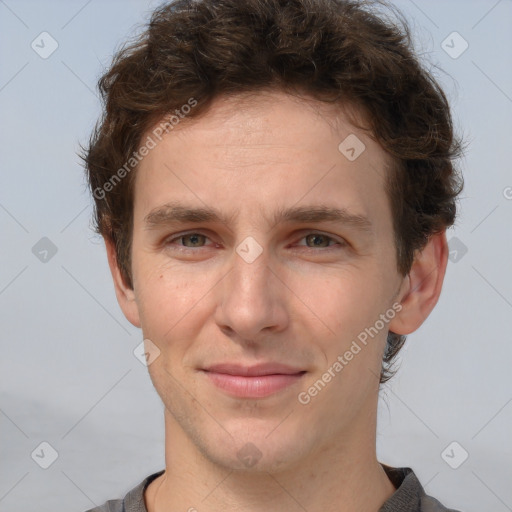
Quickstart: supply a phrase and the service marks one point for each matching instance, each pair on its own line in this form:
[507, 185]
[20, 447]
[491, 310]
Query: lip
[253, 381]
[255, 370]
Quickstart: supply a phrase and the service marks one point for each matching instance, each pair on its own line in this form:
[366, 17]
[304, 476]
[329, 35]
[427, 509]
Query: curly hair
[335, 51]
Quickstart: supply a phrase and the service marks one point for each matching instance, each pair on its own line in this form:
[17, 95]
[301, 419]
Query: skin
[201, 303]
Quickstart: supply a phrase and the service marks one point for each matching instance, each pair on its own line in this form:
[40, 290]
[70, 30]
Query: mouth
[253, 382]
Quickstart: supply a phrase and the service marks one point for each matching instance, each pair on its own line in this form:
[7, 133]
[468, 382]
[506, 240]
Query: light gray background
[68, 373]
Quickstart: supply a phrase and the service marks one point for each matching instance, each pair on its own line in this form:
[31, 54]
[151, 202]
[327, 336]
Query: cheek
[350, 305]
[168, 298]
[346, 301]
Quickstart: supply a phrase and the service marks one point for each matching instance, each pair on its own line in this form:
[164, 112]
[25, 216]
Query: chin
[260, 449]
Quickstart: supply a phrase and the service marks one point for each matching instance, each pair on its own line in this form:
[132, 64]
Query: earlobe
[425, 281]
[125, 295]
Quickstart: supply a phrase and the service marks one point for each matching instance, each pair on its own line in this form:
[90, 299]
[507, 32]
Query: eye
[196, 240]
[320, 240]
[189, 240]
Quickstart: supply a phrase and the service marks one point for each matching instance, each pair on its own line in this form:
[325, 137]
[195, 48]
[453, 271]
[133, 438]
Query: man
[273, 181]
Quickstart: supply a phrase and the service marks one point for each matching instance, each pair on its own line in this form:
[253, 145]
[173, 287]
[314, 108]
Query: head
[243, 107]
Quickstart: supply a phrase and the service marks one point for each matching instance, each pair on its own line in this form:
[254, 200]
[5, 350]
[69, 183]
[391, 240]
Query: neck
[342, 477]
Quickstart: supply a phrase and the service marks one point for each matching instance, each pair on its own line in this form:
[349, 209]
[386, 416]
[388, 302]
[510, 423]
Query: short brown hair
[335, 51]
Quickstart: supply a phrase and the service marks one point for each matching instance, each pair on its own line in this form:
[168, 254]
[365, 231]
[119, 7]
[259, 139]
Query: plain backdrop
[68, 373]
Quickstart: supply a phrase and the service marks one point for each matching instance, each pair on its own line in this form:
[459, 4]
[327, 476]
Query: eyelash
[341, 244]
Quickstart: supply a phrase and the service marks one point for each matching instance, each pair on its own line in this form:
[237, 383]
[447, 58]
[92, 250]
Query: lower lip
[258, 386]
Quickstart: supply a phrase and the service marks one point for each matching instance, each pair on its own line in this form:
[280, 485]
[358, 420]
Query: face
[289, 261]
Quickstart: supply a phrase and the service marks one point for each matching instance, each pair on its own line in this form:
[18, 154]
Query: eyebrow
[175, 212]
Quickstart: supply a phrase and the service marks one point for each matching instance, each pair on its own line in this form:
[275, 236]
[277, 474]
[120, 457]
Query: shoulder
[109, 506]
[132, 502]
[429, 504]
[409, 495]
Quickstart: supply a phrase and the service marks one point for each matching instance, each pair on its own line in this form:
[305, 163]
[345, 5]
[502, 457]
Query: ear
[422, 286]
[125, 295]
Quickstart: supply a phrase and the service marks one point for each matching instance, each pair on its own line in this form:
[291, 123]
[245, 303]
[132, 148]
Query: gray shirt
[408, 497]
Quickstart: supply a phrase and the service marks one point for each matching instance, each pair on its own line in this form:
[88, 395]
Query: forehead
[262, 152]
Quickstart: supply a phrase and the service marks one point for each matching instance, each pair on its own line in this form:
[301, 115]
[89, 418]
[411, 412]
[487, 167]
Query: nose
[252, 299]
